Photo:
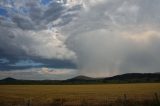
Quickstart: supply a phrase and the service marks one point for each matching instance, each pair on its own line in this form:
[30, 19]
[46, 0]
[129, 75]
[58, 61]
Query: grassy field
[79, 95]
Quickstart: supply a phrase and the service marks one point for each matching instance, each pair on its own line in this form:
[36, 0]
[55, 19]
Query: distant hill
[80, 78]
[9, 79]
[124, 78]
[134, 77]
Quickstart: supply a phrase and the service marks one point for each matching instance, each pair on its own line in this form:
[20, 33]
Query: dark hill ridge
[8, 79]
[82, 80]
[81, 77]
[124, 78]
[134, 77]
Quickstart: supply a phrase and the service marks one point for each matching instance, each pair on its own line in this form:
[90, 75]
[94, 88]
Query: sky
[60, 39]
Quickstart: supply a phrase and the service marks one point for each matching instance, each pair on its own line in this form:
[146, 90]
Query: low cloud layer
[39, 74]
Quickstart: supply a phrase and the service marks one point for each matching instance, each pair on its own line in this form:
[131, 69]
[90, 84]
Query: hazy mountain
[124, 78]
[81, 77]
[9, 79]
[134, 77]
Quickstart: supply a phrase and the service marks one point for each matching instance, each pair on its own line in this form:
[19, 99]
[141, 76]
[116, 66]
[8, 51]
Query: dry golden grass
[43, 94]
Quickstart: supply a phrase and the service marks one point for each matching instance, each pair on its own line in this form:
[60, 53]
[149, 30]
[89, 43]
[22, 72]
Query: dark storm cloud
[20, 64]
[16, 47]
[27, 34]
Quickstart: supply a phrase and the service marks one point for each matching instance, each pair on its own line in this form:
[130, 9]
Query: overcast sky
[59, 39]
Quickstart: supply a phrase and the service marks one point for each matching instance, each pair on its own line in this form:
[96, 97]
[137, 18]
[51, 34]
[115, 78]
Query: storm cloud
[62, 38]
[30, 36]
[116, 36]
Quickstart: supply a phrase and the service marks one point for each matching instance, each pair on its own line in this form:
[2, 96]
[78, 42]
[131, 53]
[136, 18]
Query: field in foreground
[146, 94]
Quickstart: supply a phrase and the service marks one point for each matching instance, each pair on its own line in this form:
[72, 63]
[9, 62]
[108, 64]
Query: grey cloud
[32, 15]
[104, 38]
[26, 34]
[113, 37]
[23, 22]
[54, 11]
[17, 45]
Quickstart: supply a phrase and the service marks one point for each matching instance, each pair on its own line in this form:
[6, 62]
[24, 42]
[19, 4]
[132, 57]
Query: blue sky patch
[45, 2]
[3, 12]
[28, 63]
